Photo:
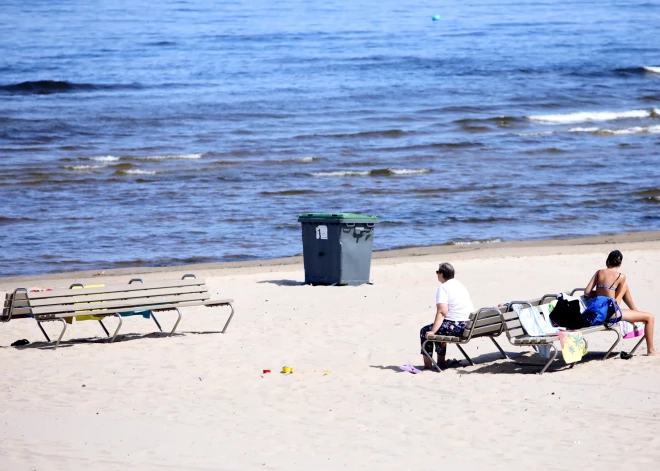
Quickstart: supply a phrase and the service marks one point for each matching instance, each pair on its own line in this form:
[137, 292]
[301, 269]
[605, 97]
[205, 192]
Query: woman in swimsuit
[608, 287]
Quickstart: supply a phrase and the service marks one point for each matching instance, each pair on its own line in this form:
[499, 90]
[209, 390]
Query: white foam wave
[137, 171]
[409, 171]
[169, 157]
[585, 116]
[622, 131]
[655, 70]
[105, 158]
[476, 242]
[342, 173]
[84, 168]
[592, 129]
[308, 159]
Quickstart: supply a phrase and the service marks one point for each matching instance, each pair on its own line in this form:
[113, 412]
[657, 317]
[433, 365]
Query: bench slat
[153, 307]
[513, 324]
[74, 297]
[489, 329]
[515, 332]
[136, 304]
[113, 288]
[511, 315]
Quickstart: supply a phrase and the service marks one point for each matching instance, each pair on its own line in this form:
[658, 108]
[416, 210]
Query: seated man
[453, 308]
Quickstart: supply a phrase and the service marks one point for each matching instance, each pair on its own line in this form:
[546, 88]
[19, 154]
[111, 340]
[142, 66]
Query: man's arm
[441, 311]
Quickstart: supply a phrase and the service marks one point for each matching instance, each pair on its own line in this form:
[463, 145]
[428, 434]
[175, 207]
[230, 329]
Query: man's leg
[428, 364]
[442, 354]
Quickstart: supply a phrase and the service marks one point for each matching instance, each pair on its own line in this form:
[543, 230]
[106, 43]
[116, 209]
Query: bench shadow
[530, 362]
[284, 282]
[128, 337]
[394, 368]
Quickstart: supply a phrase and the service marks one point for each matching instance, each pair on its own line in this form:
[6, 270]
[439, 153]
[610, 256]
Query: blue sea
[176, 132]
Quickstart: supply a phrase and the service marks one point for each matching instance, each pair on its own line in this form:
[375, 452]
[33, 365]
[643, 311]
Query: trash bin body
[337, 247]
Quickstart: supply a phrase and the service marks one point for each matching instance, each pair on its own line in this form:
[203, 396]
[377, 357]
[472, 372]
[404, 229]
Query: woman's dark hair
[614, 259]
[446, 270]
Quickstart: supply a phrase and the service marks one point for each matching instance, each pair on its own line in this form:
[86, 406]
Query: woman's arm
[591, 286]
[441, 311]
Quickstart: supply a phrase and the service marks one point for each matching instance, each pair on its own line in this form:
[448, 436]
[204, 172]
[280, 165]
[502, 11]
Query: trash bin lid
[348, 217]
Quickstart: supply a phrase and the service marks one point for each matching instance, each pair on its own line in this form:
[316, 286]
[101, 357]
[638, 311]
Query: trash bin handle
[349, 224]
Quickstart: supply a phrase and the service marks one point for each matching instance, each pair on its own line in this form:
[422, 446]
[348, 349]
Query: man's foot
[654, 353]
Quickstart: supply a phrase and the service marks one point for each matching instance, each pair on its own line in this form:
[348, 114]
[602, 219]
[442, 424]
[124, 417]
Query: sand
[199, 400]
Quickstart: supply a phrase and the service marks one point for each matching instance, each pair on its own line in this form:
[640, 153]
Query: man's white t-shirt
[456, 296]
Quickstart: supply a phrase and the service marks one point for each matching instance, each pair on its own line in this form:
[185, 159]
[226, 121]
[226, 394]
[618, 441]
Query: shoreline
[576, 245]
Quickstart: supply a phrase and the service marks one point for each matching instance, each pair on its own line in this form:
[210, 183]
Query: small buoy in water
[435, 17]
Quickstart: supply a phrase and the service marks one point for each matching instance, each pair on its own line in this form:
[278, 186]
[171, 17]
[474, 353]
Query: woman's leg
[649, 320]
[625, 296]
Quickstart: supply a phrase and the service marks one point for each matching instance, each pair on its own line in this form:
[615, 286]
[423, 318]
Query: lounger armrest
[219, 302]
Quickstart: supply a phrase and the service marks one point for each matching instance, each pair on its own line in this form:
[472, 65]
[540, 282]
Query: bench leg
[465, 355]
[114, 336]
[156, 321]
[499, 348]
[228, 320]
[61, 333]
[638, 344]
[430, 357]
[618, 339]
[43, 331]
[177, 322]
[107, 334]
[552, 358]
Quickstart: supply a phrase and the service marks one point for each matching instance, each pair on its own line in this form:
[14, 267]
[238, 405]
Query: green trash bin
[337, 247]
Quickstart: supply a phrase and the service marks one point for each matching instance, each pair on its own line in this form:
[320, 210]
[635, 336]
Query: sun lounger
[517, 336]
[486, 322]
[134, 298]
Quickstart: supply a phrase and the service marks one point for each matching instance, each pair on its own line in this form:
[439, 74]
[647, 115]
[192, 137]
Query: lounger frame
[518, 337]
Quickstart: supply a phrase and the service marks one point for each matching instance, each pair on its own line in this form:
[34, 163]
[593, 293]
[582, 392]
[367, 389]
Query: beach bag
[567, 314]
[602, 310]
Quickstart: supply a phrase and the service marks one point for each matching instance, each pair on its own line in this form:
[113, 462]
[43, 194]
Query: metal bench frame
[25, 309]
[476, 327]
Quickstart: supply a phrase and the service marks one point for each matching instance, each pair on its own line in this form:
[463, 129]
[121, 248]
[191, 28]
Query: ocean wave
[48, 87]
[475, 242]
[84, 168]
[387, 133]
[586, 116]
[165, 157]
[105, 158]
[287, 192]
[10, 220]
[498, 120]
[136, 171]
[602, 131]
[654, 70]
[373, 173]
[342, 173]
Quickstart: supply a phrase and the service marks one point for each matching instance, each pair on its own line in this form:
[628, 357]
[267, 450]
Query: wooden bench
[518, 337]
[118, 301]
[486, 322]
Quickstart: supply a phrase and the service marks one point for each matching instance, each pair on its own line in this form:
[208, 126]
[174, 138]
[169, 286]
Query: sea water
[175, 132]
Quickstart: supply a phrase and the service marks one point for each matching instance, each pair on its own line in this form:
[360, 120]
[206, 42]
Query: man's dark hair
[446, 270]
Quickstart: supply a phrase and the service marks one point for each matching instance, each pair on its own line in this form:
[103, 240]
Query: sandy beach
[199, 400]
